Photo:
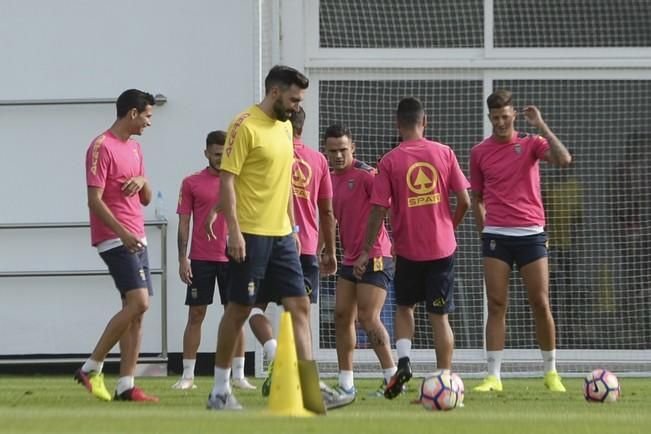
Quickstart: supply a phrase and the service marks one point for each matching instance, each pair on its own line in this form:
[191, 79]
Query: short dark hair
[285, 76]
[336, 131]
[133, 98]
[217, 137]
[298, 119]
[499, 99]
[410, 112]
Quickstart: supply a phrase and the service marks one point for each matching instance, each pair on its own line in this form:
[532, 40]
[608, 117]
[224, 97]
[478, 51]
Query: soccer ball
[460, 388]
[601, 385]
[439, 392]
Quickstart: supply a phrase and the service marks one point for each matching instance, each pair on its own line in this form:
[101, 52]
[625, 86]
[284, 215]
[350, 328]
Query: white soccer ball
[460, 388]
[439, 392]
[601, 385]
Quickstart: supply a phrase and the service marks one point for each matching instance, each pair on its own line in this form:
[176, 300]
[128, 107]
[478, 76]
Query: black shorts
[429, 281]
[519, 250]
[129, 270]
[271, 271]
[204, 274]
[379, 272]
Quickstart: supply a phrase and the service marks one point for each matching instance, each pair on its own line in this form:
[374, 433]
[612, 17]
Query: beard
[280, 111]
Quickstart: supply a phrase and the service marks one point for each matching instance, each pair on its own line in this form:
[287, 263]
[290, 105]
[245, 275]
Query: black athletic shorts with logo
[519, 250]
[129, 270]
[204, 275]
[311, 277]
[379, 272]
[429, 281]
[271, 271]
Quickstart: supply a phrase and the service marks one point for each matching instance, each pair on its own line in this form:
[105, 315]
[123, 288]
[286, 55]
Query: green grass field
[56, 404]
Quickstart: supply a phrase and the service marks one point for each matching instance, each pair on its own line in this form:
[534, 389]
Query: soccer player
[312, 193]
[509, 214]
[359, 296]
[207, 261]
[257, 204]
[117, 189]
[415, 180]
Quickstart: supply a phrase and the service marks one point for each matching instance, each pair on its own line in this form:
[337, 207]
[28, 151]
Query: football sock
[188, 368]
[125, 383]
[238, 368]
[222, 384]
[92, 365]
[270, 349]
[403, 347]
[388, 373]
[346, 379]
[549, 360]
[494, 359]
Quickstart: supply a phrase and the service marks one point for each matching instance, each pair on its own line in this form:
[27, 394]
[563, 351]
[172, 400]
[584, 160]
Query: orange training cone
[286, 397]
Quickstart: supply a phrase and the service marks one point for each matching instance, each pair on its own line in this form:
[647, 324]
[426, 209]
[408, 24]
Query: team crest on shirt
[351, 184]
[301, 177]
[422, 178]
[517, 148]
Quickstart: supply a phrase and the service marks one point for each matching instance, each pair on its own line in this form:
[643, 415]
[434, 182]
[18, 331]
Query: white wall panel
[198, 53]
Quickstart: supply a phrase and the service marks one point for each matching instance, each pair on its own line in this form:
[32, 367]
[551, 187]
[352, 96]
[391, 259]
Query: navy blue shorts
[271, 271]
[519, 250]
[129, 270]
[429, 281]
[202, 289]
[311, 277]
[379, 272]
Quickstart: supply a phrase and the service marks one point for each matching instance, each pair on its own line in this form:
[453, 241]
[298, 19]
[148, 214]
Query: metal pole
[163, 286]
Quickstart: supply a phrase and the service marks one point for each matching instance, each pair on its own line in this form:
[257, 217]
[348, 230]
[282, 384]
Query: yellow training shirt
[259, 151]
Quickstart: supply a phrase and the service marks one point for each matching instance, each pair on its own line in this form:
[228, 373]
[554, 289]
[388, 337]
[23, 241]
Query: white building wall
[199, 53]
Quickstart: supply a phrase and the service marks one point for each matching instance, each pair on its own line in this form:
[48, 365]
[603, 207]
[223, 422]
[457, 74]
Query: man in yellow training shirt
[256, 200]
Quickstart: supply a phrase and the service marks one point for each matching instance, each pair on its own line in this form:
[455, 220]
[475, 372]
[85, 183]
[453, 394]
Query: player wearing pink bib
[415, 180]
[312, 193]
[207, 261]
[357, 297]
[117, 189]
[509, 214]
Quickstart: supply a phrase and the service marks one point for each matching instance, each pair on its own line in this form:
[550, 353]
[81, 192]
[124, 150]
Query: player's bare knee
[496, 305]
[297, 306]
[404, 311]
[343, 316]
[236, 313]
[539, 305]
[137, 307]
[196, 315]
[368, 318]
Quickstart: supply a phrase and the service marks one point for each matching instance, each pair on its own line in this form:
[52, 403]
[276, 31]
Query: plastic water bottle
[159, 206]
